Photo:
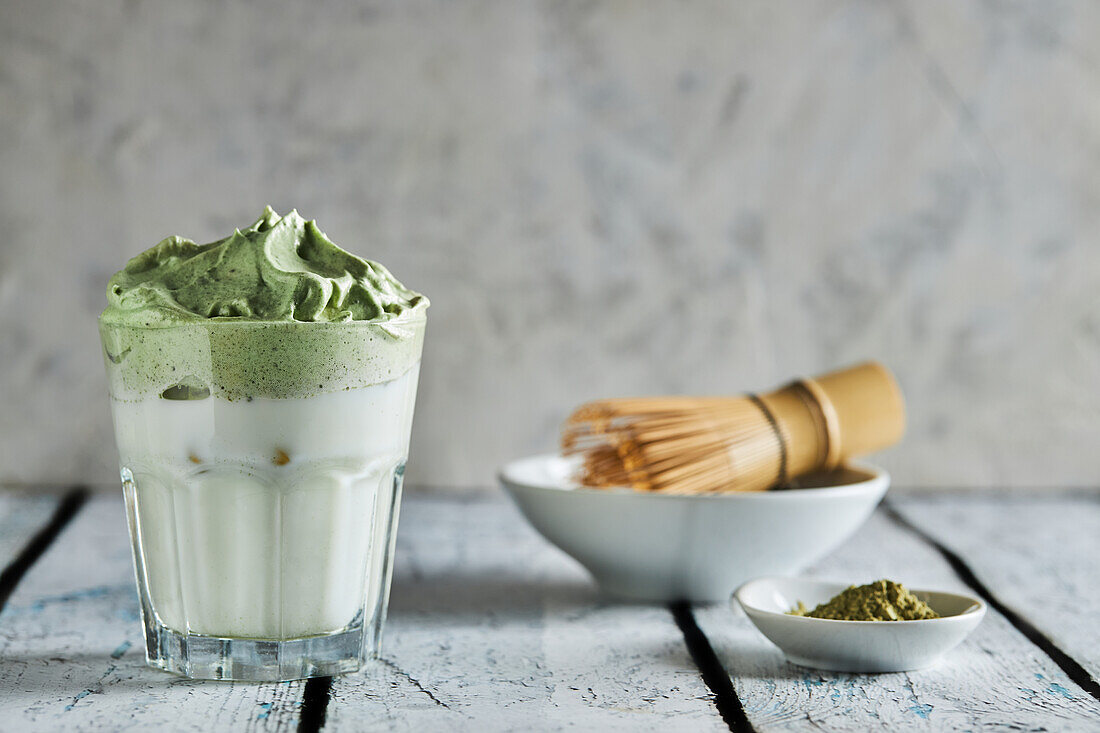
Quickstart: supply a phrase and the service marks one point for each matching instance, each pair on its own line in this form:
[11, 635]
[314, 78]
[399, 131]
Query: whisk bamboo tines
[700, 445]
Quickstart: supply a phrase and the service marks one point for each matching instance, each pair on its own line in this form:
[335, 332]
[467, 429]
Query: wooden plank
[493, 629]
[1038, 553]
[22, 513]
[995, 679]
[71, 650]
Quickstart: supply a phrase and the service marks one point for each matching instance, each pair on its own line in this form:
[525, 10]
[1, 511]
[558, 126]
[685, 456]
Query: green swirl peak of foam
[281, 268]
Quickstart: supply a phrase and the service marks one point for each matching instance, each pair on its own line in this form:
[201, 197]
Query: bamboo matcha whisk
[701, 445]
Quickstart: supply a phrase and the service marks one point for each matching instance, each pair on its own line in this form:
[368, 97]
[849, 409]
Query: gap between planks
[711, 669]
[69, 506]
[1073, 669]
[315, 698]
[772, 698]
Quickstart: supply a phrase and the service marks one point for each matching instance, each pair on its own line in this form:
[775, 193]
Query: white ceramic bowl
[855, 646]
[659, 547]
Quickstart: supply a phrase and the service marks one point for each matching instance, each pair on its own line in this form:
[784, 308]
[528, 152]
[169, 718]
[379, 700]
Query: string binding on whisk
[781, 475]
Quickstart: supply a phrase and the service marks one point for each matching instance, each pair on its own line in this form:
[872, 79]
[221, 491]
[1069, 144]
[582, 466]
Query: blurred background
[600, 198]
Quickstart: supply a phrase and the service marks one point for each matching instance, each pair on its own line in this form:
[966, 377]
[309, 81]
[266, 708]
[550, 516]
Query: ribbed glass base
[201, 594]
[253, 660]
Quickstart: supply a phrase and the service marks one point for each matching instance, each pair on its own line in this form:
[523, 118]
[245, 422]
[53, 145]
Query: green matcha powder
[883, 600]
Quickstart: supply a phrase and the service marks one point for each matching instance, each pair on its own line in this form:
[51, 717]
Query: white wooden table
[491, 629]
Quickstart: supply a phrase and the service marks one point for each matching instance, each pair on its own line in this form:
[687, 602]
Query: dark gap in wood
[314, 704]
[1068, 664]
[67, 508]
[710, 667]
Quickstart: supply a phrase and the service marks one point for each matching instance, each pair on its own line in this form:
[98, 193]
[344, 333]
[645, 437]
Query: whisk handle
[827, 419]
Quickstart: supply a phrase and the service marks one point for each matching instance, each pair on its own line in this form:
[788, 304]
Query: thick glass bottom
[254, 660]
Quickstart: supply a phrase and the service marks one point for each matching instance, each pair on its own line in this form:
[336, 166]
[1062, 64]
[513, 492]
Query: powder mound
[282, 268]
[883, 600]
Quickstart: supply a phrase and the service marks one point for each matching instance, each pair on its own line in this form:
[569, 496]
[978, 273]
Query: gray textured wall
[600, 198]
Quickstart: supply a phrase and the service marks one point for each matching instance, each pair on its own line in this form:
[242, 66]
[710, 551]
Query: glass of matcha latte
[262, 389]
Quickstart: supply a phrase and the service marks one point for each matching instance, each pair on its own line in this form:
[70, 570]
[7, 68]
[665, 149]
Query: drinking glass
[262, 524]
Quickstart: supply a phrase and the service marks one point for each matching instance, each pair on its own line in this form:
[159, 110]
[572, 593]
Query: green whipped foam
[274, 310]
[278, 269]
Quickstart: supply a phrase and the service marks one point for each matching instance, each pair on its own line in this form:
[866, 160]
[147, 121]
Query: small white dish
[664, 547]
[855, 646]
